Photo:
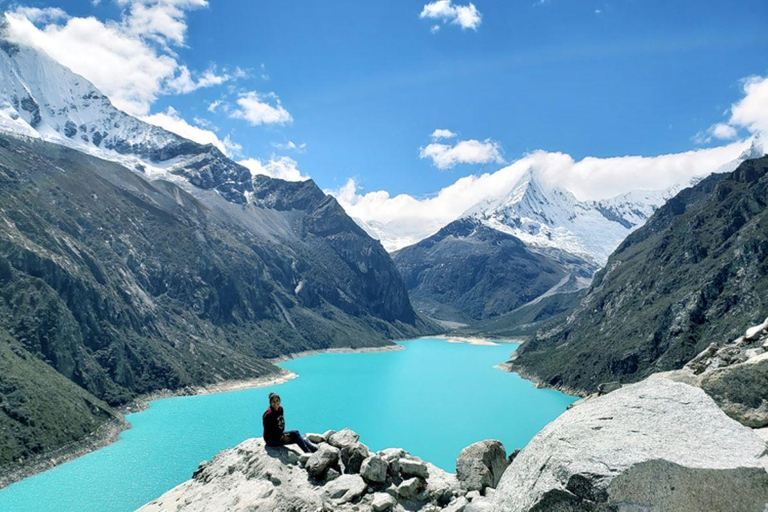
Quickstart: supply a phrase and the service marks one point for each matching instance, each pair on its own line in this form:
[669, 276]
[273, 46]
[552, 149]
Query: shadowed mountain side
[696, 273]
[127, 286]
[468, 272]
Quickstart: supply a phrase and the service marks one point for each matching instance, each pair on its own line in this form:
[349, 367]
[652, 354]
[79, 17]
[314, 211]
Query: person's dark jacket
[274, 425]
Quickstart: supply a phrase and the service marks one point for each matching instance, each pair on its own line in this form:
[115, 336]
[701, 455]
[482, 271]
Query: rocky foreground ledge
[655, 445]
[342, 475]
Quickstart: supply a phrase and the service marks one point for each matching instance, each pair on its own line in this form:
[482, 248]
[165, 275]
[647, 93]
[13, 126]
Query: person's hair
[272, 396]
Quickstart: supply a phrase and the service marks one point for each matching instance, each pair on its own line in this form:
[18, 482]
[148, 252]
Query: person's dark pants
[295, 438]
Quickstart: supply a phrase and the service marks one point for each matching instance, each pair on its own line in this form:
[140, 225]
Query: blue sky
[367, 82]
[358, 87]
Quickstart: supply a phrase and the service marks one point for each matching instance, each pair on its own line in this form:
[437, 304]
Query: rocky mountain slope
[468, 272]
[126, 286]
[692, 275]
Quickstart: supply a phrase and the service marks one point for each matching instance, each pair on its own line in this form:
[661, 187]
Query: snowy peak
[41, 98]
[548, 216]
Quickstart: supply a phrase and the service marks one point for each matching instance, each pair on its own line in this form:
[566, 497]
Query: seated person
[274, 428]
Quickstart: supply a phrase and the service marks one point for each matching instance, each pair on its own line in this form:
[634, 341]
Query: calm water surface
[433, 399]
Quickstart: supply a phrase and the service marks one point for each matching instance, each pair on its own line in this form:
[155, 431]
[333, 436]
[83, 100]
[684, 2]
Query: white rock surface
[655, 445]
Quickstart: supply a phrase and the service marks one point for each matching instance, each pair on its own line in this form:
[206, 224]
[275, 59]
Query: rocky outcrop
[655, 445]
[256, 478]
[734, 375]
[481, 465]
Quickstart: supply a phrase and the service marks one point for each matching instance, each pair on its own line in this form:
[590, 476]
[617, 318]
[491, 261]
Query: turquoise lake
[433, 399]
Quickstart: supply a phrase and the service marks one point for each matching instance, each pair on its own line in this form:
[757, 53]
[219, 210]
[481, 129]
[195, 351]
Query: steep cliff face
[693, 275]
[126, 286]
[469, 272]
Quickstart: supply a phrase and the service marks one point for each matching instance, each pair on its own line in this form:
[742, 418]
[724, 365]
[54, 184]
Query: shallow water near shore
[433, 399]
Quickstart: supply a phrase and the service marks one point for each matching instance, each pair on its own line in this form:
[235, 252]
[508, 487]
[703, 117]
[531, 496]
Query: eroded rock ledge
[342, 475]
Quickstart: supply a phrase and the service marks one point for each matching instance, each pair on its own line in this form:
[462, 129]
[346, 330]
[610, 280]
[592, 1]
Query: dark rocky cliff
[695, 274]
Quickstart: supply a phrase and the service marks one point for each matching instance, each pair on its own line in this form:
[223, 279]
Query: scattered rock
[382, 502]
[481, 464]
[344, 437]
[513, 455]
[345, 488]
[411, 488]
[352, 456]
[374, 470]
[316, 438]
[458, 505]
[332, 474]
[473, 495]
[318, 463]
[413, 468]
[327, 434]
[607, 387]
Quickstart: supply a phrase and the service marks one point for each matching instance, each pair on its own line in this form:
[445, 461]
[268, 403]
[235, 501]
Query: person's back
[273, 421]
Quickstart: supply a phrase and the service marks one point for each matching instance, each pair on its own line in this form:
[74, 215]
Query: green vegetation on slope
[695, 274]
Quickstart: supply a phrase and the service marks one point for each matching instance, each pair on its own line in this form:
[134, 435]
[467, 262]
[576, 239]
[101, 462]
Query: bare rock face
[258, 478]
[481, 465]
[657, 445]
[342, 438]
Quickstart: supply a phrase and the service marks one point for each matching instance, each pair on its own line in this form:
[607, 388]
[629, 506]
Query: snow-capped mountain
[547, 216]
[41, 98]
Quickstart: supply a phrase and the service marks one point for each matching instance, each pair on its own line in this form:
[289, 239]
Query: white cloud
[750, 113]
[172, 121]
[257, 109]
[442, 134]
[471, 151]
[282, 167]
[44, 15]
[466, 16]
[129, 59]
[407, 219]
[290, 146]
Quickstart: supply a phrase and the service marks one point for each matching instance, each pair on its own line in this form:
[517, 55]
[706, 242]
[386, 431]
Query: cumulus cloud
[442, 134]
[465, 16]
[749, 113]
[172, 121]
[258, 109]
[282, 167]
[445, 156]
[129, 59]
[406, 219]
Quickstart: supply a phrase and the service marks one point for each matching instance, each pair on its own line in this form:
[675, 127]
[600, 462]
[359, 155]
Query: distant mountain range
[158, 265]
[468, 272]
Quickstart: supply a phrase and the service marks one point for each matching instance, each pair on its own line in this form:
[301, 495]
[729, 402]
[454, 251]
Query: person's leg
[304, 444]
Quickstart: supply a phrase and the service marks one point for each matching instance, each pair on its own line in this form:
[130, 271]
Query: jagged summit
[545, 215]
[41, 98]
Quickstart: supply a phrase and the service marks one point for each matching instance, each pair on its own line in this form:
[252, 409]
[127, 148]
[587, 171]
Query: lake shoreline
[109, 432]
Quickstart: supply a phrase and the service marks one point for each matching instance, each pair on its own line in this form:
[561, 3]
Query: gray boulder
[657, 445]
[374, 470]
[345, 488]
[316, 438]
[325, 457]
[342, 438]
[481, 464]
[382, 502]
[352, 456]
[411, 489]
[412, 467]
